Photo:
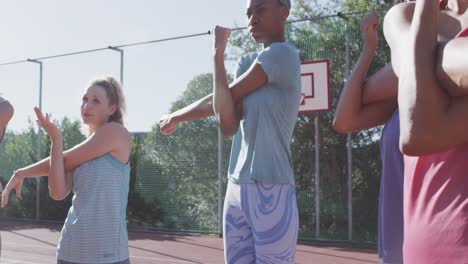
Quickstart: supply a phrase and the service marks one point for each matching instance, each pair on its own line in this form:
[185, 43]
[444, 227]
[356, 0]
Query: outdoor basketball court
[26, 243]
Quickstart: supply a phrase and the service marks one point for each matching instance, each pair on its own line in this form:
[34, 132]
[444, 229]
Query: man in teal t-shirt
[260, 108]
[261, 147]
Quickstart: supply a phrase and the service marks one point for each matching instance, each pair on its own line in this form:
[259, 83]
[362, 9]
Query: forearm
[350, 102]
[38, 169]
[57, 180]
[422, 102]
[223, 102]
[200, 109]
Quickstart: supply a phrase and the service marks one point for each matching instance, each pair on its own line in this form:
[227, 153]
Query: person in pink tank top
[433, 106]
[381, 90]
[434, 198]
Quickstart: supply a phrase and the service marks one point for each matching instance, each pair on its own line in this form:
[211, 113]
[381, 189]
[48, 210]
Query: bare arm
[226, 100]
[223, 102]
[353, 113]
[381, 86]
[225, 97]
[111, 138]
[452, 56]
[431, 120]
[106, 139]
[397, 25]
[60, 183]
[200, 109]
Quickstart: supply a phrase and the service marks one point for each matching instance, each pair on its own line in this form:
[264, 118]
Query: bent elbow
[412, 146]
[228, 131]
[57, 196]
[228, 126]
[408, 149]
[339, 126]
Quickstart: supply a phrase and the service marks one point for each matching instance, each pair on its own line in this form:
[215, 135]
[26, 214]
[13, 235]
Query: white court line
[16, 261]
[28, 245]
[136, 257]
[164, 259]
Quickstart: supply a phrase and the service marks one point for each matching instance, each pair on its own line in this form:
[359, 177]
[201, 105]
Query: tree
[187, 184]
[20, 150]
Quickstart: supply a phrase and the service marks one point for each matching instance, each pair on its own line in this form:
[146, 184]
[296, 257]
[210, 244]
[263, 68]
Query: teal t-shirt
[261, 147]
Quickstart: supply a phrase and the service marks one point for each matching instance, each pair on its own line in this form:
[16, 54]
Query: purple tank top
[391, 193]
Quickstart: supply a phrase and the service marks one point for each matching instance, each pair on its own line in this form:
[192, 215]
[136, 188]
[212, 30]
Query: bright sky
[155, 75]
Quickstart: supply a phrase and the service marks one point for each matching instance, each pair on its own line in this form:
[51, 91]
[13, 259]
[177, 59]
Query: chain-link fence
[178, 182]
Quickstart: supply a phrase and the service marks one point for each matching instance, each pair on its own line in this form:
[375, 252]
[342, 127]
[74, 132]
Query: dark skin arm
[366, 103]
[431, 119]
[226, 100]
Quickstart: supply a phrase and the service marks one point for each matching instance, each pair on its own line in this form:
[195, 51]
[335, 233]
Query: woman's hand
[49, 127]
[167, 124]
[15, 183]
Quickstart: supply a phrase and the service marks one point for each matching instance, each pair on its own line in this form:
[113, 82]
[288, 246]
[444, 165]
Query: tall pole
[349, 145]
[122, 55]
[317, 176]
[38, 142]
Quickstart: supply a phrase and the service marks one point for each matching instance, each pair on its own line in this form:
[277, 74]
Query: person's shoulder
[282, 51]
[284, 47]
[396, 19]
[114, 130]
[247, 58]
[399, 12]
[244, 62]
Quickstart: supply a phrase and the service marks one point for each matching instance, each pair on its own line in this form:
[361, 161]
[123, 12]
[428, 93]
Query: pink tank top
[436, 206]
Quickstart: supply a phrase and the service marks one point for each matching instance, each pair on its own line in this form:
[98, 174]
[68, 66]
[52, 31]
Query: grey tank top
[95, 230]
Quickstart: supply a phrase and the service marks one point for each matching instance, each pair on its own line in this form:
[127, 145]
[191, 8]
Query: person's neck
[93, 128]
[278, 39]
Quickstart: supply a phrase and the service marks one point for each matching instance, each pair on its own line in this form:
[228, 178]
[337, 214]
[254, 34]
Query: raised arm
[224, 95]
[367, 103]
[60, 182]
[451, 54]
[107, 139]
[226, 100]
[431, 120]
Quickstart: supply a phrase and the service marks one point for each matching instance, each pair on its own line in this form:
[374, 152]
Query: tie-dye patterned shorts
[260, 223]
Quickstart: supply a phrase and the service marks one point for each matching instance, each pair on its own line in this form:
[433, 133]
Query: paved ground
[25, 243]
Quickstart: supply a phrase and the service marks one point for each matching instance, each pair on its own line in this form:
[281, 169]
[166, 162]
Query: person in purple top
[360, 107]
